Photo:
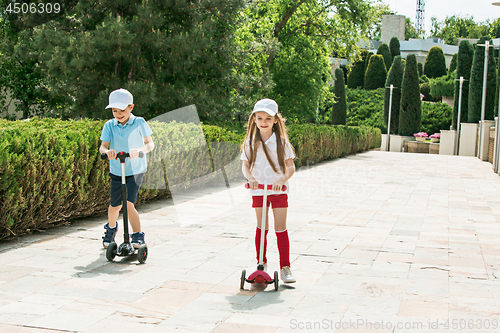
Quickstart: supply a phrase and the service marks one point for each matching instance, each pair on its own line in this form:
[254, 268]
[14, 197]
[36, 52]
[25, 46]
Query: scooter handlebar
[269, 187]
[104, 156]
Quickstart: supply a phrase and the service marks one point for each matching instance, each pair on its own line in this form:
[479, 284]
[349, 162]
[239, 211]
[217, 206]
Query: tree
[410, 114]
[375, 13]
[384, 51]
[476, 84]
[356, 77]
[410, 31]
[395, 77]
[420, 69]
[453, 63]
[464, 65]
[454, 27]
[296, 39]
[168, 54]
[395, 47]
[339, 110]
[376, 73]
[435, 63]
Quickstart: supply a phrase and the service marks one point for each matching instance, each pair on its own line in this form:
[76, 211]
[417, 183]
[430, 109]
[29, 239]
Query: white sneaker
[286, 275]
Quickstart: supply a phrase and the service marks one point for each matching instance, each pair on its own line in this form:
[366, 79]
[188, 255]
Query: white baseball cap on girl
[267, 105]
[120, 99]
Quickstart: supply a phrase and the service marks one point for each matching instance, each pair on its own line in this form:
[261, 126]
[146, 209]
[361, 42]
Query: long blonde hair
[253, 139]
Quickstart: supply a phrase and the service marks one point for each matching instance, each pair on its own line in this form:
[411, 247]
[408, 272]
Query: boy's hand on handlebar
[278, 185]
[111, 154]
[133, 153]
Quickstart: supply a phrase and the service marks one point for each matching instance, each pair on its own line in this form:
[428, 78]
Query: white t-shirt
[262, 170]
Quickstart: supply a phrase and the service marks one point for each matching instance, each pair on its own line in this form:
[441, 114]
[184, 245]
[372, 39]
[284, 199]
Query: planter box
[434, 148]
[447, 142]
[397, 142]
[417, 147]
[486, 125]
[468, 139]
[491, 144]
[383, 145]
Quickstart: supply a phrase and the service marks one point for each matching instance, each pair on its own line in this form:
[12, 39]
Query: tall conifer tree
[464, 65]
[410, 114]
[395, 77]
[339, 111]
[476, 84]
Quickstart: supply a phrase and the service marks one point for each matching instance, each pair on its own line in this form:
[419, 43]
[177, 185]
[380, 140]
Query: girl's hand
[254, 184]
[111, 154]
[133, 153]
[278, 185]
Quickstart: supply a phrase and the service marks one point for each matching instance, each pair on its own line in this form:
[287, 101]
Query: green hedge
[314, 143]
[51, 171]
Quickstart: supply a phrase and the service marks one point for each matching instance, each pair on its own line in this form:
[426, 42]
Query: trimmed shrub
[384, 51]
[464, 65]
[435, 63]
[395, 47]
[395, 77]
[453, 63]
[339, 109]
[376, 73]
[315, 143]
[476, 84]
[496, 91]
[410, 115]
[356, 77]
[436, 117]
[420, 68]
[443, 86]
[365, 108]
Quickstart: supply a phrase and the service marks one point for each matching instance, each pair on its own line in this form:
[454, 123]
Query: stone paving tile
[405, 239]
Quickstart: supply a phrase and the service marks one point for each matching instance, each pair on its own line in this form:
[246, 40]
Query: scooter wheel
[242, 281]
[276, 281]
[142, 253]
[111, 251]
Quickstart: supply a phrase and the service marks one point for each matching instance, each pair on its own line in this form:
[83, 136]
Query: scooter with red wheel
[126, 248]
[260, 276]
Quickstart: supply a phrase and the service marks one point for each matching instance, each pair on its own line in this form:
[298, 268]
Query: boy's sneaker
[286, 275]
[109, 235]
[137, 239]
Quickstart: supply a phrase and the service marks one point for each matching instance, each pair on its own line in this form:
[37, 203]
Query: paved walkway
[380, 242]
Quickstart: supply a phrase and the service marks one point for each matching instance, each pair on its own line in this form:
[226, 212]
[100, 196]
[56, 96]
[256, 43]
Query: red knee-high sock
[257, 243]
[283, 247]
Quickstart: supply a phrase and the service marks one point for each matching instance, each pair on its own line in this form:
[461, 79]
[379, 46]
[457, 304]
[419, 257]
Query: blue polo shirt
[124, 138]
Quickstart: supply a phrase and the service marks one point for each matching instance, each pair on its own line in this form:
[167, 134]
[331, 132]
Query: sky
[480, 10]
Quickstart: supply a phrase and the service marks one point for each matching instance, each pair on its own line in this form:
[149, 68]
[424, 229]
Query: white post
[389, 118]
[458, 116]
[483, 104]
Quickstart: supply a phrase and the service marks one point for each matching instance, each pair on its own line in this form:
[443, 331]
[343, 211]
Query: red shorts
[278, 200]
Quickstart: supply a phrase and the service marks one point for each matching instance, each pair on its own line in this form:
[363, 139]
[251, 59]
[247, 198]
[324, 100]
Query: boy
[131, 134]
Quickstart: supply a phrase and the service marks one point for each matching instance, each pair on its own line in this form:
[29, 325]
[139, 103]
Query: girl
[268, 158]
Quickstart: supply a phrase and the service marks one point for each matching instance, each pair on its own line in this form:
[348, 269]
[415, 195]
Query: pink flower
[421, 95]
[419, 134]
[436, 136]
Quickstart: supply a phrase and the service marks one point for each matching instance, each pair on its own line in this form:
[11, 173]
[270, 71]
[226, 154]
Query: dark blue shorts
[115, 190]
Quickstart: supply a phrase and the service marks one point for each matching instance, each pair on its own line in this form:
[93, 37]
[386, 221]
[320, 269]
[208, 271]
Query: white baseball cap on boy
[267, 105]
[120, 99]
